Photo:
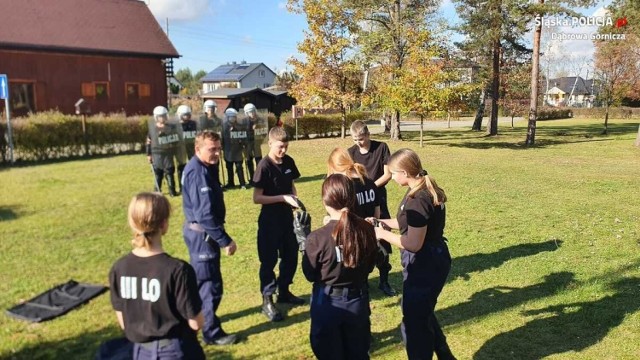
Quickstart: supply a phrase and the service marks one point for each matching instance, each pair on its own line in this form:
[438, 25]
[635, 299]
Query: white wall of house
[211, 86]
[260, 77]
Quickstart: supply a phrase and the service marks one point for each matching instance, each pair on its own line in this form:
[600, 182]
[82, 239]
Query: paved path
[430, 125]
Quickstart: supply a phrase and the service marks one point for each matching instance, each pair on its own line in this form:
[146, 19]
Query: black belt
[338, 291]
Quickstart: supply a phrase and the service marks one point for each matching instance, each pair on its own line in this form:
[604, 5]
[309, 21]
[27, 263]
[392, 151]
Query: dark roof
[228, 93]
[87, 26]
[231, 72]
[566, 84]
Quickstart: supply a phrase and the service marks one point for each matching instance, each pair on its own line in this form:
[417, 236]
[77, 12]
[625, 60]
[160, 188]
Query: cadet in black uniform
[204, 234]
[338, 259]
[425, 256]
[374, 156]
[189, 131]
[155, 296]
[276, 192]
[366, 191]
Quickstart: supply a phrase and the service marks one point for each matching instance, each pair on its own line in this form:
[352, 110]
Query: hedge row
[53, 135]
[554, 113]
[614, 112]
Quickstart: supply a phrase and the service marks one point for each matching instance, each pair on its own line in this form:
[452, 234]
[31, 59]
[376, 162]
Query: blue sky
[208, 33]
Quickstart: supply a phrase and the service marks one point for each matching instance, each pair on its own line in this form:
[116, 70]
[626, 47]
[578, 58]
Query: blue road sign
[4, 87]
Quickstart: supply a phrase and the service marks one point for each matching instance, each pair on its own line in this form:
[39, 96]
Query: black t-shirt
[276, 179]
[156, 295]
[419, 211]
[320, 262]
[367, 197]
[374, 160]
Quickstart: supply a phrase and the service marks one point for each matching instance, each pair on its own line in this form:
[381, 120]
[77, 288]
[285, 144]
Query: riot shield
[189, 131]
[210, 123]
[234, 138]
[167, 143]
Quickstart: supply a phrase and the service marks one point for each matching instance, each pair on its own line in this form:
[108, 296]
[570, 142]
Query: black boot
[159, 175]
[270, 310]
[171, 184]
[444, 353]
[287, 297]
[384, 283]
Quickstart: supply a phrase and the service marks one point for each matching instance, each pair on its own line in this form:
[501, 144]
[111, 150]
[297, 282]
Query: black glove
[301, 224]
[382, 256]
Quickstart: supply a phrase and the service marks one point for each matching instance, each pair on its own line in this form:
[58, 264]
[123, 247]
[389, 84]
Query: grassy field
[546, 247]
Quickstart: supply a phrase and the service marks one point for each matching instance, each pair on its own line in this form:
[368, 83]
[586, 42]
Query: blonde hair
[341, 162]
[278, 134]
[407, 160]
[147, 214]
[358, 128]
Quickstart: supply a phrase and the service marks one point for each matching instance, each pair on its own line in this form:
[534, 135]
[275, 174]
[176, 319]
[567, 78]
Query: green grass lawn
[545, 241]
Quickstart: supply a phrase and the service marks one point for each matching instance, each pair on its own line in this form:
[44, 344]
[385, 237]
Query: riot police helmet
[183, 110]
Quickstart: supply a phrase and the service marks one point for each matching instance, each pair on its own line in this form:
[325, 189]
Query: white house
[238, 75]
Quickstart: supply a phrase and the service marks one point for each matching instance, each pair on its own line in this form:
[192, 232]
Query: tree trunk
[421, 129]
[606, 119]
[395, 126]
[638, 137]
[477, 122]
[492, 126]
[535, 73]
[343, 113]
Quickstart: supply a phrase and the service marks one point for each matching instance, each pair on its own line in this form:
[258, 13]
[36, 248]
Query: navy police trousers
[169, 349]
[421, 331]
[340, 326]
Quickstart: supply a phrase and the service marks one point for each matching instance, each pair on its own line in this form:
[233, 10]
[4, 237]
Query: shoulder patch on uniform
[205, 189]
[288, 171]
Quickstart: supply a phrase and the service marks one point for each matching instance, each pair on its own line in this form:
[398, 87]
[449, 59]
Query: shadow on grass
[8, 213]
[566, 327]
[499, 298]
[74, 158]
[311, 178]
[462, 266]
[540, 143]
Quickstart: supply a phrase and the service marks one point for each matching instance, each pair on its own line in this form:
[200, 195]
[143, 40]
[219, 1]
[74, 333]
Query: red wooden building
[110, 53]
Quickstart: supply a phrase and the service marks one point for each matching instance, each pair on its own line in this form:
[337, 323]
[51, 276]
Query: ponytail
[356, 239]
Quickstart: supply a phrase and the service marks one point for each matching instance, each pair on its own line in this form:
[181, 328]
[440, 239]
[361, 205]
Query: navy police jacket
[202, 200]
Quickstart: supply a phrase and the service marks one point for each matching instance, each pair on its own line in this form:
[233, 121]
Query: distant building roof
[231, 72]
[89, 26]
[566, 84]
[227, 93]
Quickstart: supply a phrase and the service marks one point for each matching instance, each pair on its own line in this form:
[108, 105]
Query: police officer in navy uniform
[204, 232]
[234, 141]
[189, 131]
[210, 121]
[338, 258]
[425, 255]
[164, 145]
[258, 129]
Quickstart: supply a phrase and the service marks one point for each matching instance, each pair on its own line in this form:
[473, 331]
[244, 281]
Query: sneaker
[287, 297]
[227, 339]
[243, 187]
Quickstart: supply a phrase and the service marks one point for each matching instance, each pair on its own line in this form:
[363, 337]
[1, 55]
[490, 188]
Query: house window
[22, 97]
[134, 91]
[261, 73]
[101, 90]
[98, 90]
